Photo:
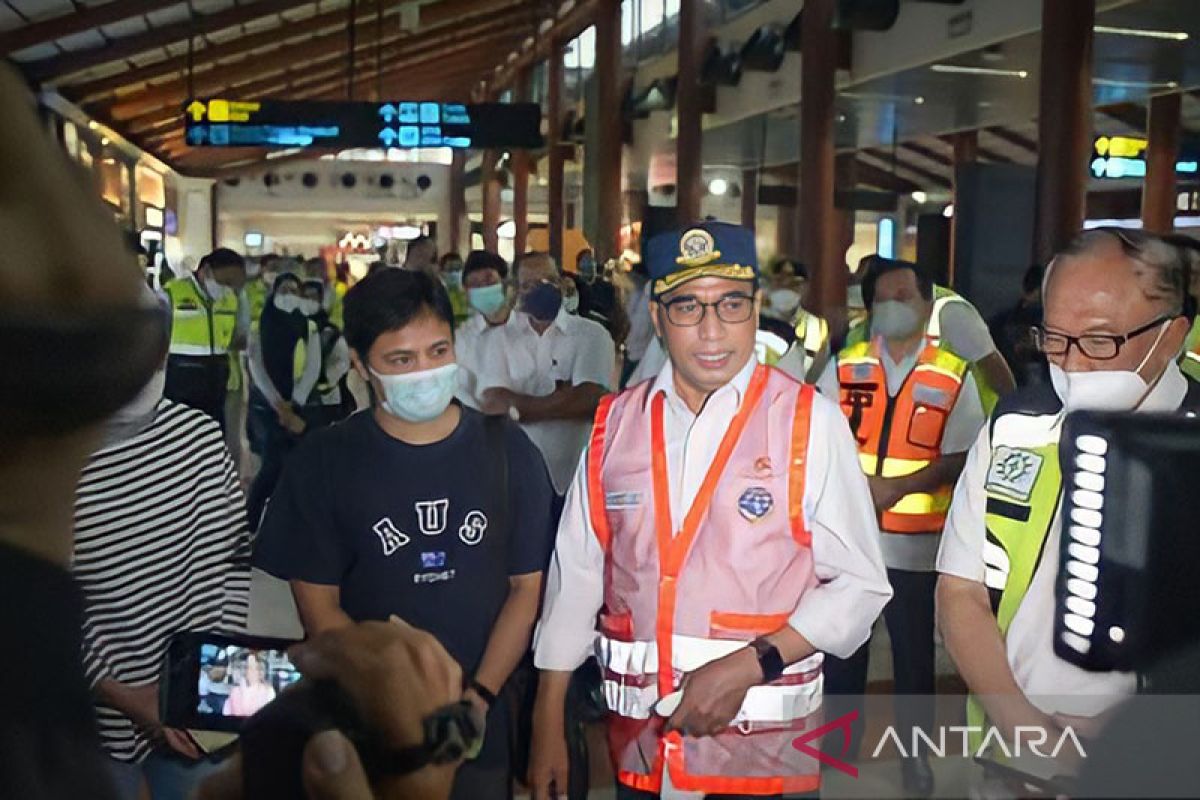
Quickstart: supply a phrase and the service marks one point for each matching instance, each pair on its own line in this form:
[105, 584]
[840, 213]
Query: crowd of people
[682, 474]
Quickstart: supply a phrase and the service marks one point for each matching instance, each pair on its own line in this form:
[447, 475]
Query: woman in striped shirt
[161, 546]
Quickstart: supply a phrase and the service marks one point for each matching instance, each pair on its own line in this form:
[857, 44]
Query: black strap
[497, 449]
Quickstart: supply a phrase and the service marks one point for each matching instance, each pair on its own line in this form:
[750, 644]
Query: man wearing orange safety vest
[914, 412]
[721, 533]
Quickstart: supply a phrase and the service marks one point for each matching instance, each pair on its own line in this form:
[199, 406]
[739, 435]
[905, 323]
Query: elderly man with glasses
[1117, 312]
[720, 532]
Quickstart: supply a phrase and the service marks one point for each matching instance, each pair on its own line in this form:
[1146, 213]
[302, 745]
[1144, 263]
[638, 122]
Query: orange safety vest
[675, 600]
[900, 435]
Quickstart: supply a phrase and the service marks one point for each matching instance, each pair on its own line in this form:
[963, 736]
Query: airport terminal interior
[770, 312]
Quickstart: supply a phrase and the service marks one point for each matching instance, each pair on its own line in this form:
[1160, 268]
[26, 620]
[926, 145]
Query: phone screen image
[236, 681]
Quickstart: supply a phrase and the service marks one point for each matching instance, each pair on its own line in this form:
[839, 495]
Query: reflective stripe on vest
[812, 332]
[1024, 489]
[200, 327]
[666, 589]
[898, 436]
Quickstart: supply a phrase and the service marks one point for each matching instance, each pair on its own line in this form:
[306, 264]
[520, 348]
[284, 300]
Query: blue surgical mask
[419, 396]
[453, 279]
[543, 302]
[587, 268]
[487, 300]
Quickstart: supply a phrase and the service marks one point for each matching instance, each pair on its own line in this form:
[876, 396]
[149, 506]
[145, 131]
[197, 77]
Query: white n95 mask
[1104, 389]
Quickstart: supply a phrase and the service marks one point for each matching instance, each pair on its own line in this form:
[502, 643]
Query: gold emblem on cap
[697, 248]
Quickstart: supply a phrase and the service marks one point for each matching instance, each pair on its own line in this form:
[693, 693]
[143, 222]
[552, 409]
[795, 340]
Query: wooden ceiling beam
[316, 52]
[927, 153]
[105, 89]
[87, 19]
[871, 175]
[254, 44]
[933, 178]
[563, 30]
[1013, 138]
[128, 46]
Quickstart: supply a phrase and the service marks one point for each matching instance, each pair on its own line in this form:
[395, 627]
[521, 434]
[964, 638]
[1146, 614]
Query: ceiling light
[1173, 36]
[920, 197]
[959, 70]
[104, 140]
[718, 186]
[1135, 84]
[93, 124]
[919, 100]
[948, 211]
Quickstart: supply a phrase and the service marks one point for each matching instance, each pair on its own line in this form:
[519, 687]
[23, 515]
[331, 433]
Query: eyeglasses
[1096, 346]
[687, 312]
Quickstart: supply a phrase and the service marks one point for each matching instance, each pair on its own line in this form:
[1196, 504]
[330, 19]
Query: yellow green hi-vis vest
[199, 326]
[1024, 491]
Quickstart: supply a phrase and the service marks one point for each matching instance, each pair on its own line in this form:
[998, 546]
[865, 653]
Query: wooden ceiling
[132, 63]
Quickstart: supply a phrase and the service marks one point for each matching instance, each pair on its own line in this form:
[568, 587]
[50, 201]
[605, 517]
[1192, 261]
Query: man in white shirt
[546, 368]
[914, 411]
[765, 546]
[483, 280]
[1116, 317]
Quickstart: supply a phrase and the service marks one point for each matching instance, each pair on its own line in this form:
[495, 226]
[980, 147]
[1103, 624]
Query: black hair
[317, 286]
[798, 268]
[387, 301]
[877, 266]
[1032, 281]
[480, 260]
[521, 259]
[223, 257]
[451, 256]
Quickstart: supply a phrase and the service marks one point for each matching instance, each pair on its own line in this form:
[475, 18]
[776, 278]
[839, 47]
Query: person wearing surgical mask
[330, 400]
[483, 277]
[210, 319]
[285, 368]
[450, 268]
[398, 510]
[546, 367]
[914, 410]
[160, 547]
[1116, 316]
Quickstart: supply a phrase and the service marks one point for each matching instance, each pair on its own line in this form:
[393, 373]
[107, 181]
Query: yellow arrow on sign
[196, 109]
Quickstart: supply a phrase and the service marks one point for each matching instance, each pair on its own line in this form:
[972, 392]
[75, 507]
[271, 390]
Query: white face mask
[1104, 389]
[287, 303]
[893, 319]
[785, 301]
[308, 307]
[419, 396]
[135, 414]
[214, 289]
[571, 304]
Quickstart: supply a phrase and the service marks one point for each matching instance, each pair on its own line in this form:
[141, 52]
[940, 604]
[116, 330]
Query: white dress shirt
[572, 350]
[835, 616]
[906, 551]
[1053, 685]
[466, 352]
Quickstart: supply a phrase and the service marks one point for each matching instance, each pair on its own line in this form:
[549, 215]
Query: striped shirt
[161, 546]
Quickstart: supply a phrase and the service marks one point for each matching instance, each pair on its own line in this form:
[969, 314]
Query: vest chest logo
[755, 503]
[1013, 472]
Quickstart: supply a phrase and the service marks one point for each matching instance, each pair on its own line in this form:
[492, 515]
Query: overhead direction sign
[1125, 157]
[219, 122]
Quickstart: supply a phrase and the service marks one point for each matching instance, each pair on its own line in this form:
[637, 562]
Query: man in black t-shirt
[400, 509]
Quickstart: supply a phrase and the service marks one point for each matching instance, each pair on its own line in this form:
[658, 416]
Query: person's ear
[359, 366]
[654, 318]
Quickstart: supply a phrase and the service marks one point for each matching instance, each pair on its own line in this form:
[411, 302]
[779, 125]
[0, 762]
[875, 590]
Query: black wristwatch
[486, 694]
[769, 660]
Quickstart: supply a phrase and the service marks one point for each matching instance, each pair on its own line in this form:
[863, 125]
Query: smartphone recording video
[216, 682]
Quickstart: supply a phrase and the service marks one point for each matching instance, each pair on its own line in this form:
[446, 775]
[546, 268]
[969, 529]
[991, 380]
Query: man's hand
[713, 694]
[396, 675]
[496, 401]
[885, 492]
[292, 422]
[549, 764]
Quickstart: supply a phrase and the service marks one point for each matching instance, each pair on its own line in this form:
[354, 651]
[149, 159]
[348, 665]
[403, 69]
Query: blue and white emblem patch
[755, 503]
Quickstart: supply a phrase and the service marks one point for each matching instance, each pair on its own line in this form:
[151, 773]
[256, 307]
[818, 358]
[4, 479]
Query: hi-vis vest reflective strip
[812, 333]
[200, 327]
[900, 435]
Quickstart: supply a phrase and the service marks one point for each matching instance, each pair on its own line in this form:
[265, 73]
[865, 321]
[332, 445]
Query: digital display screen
[404, 124]
[237, 681]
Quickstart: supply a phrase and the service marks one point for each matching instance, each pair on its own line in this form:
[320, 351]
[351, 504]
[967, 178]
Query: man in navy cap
[720, 530]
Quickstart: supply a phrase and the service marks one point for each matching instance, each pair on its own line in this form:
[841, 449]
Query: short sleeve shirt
[965, 332]
[410, 530]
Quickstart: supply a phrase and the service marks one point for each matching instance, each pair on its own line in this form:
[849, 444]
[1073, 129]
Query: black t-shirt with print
[407, 530]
